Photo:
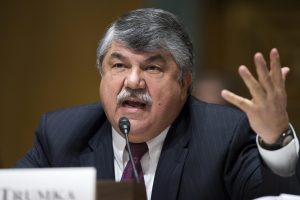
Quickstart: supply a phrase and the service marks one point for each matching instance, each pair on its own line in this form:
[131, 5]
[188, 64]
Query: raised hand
[266, 110]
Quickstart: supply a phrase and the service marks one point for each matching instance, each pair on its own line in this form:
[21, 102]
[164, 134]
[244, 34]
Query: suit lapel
[171, 162]
[101, 154]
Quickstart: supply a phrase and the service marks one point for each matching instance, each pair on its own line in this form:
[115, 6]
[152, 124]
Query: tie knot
[138, 150]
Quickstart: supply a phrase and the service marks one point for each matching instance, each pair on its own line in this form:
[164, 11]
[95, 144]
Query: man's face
[154, 76]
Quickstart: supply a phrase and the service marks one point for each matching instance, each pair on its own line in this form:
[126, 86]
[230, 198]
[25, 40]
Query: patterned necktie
[137, 151]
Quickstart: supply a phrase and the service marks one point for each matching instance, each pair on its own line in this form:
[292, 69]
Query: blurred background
[47, 53]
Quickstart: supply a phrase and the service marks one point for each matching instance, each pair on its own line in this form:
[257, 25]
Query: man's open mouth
[134, 104]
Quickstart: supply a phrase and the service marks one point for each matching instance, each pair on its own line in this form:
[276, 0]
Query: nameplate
[48, 184]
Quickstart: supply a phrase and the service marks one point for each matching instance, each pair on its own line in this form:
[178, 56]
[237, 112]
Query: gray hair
[149, 29]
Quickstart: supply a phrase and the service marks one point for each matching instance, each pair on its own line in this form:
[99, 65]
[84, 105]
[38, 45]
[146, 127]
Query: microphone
[124, 126]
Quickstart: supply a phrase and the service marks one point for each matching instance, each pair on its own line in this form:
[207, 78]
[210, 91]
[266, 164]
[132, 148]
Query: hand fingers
[240, 102]
[275, 67]
[263, 72]
[254, 87]
[284, 72]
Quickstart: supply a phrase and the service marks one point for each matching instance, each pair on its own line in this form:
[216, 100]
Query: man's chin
[138, 138]
[137, 117]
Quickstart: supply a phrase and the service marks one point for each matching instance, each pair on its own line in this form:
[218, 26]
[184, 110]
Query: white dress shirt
[149, 160]
[281, 162]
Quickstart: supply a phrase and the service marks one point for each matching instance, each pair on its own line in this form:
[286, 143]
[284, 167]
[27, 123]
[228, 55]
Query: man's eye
[118, 65]
[153, 68]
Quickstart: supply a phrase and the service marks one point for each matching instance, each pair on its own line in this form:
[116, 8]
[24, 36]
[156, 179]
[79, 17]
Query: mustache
[140, 94]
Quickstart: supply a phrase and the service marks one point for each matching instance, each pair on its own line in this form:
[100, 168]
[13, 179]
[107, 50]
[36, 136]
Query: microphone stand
[124, 126]
[131, 159]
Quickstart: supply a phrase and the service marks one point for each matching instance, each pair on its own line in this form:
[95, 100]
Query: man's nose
[134, 79]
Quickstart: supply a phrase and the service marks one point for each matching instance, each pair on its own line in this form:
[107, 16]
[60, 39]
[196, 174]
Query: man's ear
[187, 80]
[186, 84]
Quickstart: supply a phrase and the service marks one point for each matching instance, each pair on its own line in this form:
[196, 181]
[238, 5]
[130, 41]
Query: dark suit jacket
[209, 152]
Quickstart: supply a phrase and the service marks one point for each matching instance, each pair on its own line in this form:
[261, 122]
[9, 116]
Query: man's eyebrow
[156, 57]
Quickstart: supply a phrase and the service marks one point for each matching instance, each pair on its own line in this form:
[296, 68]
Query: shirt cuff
[282, 161]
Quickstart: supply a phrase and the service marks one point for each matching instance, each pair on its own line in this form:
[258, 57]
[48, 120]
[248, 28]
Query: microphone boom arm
[124, 126]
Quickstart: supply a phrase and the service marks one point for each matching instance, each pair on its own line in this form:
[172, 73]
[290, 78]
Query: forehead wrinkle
[117, 55]
[156, 57]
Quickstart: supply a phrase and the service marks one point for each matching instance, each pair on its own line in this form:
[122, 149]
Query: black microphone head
[124, 125]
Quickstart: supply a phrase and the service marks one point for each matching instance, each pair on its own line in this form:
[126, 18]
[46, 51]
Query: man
[195, 150]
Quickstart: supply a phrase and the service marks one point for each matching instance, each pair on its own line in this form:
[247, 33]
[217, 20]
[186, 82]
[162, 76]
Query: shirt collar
[154, 146]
